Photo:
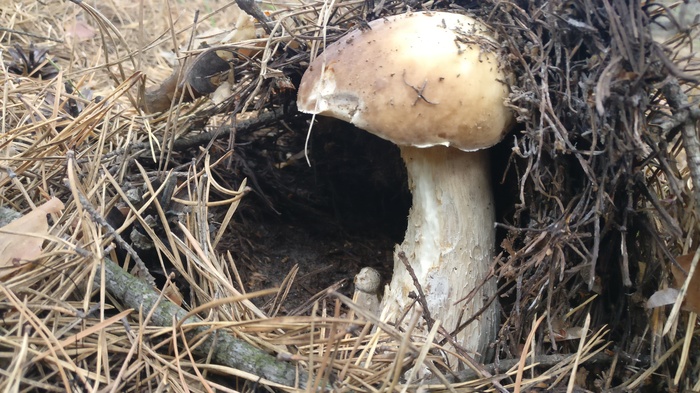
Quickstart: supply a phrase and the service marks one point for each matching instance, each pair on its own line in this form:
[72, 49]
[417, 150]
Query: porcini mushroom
[433, 83]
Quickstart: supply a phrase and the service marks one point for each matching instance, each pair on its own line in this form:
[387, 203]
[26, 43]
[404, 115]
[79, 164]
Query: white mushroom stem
[449, 242]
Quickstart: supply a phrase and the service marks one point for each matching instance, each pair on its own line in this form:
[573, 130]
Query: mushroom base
[449, 244]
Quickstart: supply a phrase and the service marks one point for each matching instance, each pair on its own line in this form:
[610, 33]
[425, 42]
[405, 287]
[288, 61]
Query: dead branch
[225, 349]
[686, 116]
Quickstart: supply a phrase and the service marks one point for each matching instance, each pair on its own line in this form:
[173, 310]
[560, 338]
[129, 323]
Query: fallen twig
[225, 349]
[140, 266]
[685, 116]
[206, 137]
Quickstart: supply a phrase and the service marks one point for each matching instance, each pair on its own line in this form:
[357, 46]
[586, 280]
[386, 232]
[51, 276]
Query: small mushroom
[433, 83]
[367, 286]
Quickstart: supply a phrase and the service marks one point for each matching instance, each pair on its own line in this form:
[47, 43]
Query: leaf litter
[200, 202]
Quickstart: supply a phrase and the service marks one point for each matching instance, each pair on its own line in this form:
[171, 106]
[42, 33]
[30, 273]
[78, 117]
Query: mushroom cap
[368, 280]
[417, 79]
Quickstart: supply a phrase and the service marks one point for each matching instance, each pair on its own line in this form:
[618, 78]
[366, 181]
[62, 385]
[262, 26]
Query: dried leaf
[80, 31]
[206, 72]
[663, 297]
[21, 240]
[692, 297]
[563, 332]
[203, 76]
[174, 294]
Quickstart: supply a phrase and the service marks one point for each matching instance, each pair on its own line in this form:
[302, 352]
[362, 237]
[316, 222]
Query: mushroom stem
[449, 242]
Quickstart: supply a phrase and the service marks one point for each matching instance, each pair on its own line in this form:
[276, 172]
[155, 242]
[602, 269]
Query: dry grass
[64, 329]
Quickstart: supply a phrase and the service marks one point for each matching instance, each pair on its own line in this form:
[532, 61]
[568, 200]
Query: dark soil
[344, 212]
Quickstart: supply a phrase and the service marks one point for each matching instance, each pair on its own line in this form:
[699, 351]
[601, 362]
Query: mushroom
[432, 83]
[367, 285]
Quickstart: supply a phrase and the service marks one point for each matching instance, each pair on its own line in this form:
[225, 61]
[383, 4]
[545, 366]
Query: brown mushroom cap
[418, 79]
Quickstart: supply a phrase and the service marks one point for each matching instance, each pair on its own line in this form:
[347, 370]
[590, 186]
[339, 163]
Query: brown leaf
[203, 76]
[21, 240]
[692, 297]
